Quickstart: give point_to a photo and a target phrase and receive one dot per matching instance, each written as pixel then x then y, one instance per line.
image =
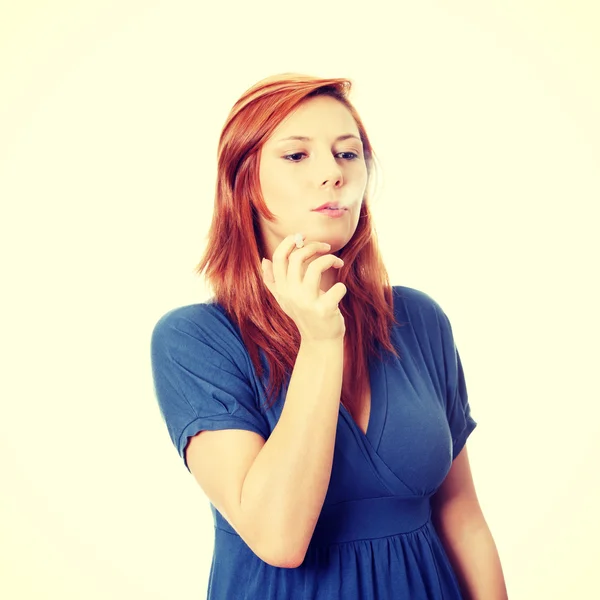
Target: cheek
pixel 279 194
pixel 284 200
pixel 283 180
pixel 359 174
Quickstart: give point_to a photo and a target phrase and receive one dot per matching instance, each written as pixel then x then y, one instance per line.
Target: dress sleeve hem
pixel 215 423
pixel 461 439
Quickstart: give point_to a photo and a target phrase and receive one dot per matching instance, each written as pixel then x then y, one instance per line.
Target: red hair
pixel 232 258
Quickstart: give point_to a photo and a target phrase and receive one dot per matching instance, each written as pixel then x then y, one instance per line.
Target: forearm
pixel 474 556
pixel 284 490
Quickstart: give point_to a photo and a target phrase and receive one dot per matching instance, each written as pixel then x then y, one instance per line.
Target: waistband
pixel 361 519
pixel 370 518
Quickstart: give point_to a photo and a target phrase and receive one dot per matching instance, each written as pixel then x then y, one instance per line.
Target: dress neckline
pixel 379 404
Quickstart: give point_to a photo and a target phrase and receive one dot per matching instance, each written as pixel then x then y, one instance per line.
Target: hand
pixel 316 313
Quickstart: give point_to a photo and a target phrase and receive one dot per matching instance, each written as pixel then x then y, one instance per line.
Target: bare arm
pixel 284 490
pixel 466 536
pixel 271 492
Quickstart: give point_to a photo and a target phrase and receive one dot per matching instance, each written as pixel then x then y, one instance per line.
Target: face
pixel 297 176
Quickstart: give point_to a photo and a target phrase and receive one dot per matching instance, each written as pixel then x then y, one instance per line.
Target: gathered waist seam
pixel 325 544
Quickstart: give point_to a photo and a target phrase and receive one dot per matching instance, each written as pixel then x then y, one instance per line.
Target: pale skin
pixel 322 171
pixel 297 176
pixel 465 534
pixel 317 171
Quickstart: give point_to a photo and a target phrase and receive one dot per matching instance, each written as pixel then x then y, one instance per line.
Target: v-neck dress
pixel 374 539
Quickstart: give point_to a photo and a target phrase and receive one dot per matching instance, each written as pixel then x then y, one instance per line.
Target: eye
pixel 289 158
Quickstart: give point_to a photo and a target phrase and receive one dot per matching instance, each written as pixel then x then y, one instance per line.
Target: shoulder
pixel 423 314
pixel 412 304
pixel 202 325
pixel 202 316
pixel 425 317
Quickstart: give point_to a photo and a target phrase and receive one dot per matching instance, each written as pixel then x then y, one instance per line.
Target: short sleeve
pixel 197 381
pixel 458 410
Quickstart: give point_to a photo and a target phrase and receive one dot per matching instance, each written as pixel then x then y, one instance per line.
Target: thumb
pixel 267 273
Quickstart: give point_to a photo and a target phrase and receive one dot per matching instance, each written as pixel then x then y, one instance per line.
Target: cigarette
pixel 299 241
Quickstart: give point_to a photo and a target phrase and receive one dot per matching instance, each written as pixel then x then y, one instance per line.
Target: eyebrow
pixel 303 138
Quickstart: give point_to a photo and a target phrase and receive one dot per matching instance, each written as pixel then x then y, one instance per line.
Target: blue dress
pixel 374 539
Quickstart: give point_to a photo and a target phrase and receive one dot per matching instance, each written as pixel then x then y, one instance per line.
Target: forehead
pixel 320 115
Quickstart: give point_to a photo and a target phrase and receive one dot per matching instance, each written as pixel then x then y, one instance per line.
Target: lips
pixel 333 205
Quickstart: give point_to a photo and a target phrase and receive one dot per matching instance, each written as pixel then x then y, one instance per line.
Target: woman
pixel 322 411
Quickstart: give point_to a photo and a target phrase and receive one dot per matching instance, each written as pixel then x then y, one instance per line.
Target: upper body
pixel 305 484
pixel 382 479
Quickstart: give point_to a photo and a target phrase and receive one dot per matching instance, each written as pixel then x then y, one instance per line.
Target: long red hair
pixel 232 258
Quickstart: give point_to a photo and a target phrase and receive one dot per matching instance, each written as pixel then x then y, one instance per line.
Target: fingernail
pixel 299 239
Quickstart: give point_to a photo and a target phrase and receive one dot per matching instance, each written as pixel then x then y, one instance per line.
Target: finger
pixel 297 260
pixel 333 296
pixel 316 268
pixel 280 258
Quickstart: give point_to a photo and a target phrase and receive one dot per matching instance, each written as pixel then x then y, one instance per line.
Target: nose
pixel 331 172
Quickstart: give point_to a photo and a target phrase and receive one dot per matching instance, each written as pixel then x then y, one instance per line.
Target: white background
pixel 485 118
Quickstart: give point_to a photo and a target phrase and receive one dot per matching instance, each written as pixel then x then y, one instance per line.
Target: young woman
pixel 322 411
